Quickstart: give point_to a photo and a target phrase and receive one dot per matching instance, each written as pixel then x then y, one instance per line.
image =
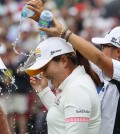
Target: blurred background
pixel 86 18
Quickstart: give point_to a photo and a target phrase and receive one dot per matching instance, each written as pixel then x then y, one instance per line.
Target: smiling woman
pixel 76 108
pixel 108 68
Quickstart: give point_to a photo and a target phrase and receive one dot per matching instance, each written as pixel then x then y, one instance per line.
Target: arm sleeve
pixel 116 70
pixel 77 110
pixel 47 97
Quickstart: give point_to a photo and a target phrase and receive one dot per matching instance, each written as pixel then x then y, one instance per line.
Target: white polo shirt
pixel 76 109
pixel 109 98
pixel 116 70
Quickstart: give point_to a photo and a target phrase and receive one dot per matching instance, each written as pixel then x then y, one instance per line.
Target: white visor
pixel 100 41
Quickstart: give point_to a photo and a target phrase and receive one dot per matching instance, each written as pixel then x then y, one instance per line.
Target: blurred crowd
pixel 86 18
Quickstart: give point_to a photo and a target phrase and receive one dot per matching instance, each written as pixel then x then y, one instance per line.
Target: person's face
pixel 53 72
pixel 57 71
pixel 110 51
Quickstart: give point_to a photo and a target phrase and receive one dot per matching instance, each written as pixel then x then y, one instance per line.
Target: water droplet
pixel 1 94
pixel 10 76
pixel 0 89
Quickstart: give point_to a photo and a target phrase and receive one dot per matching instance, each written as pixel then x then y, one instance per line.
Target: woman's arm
pixel 84 47
pixel 47 97
pixel 92 53
pixel 4 127
pixel 44 92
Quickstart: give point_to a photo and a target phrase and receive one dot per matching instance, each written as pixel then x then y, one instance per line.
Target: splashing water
pixel 42 38
pixel 10 76
pixel 1 78
pixel 6 73
pixel 30 60
pixel 20 69
pixel 18 37
pixel 0 89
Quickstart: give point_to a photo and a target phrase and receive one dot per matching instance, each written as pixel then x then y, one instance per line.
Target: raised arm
pixel 44 92
pixel 87 49
pixel 93 54
pixel 84 47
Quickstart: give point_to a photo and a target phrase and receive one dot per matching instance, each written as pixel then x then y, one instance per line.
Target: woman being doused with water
pixel 75 109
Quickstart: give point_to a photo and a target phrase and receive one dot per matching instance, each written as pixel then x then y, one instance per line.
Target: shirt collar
pixel 76 73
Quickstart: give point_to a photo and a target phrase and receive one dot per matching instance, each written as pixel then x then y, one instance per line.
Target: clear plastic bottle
pixel 26 12
pixel 45 21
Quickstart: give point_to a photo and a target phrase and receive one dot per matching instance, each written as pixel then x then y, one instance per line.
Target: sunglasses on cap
pixel 107 45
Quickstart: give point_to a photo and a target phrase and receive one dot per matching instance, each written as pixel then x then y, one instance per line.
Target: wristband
pixel 67 38
pixel 63 32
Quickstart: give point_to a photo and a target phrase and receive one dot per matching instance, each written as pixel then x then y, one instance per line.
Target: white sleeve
pixel 97 70
pixel 77 110
pixel 116 70
pixel 47 97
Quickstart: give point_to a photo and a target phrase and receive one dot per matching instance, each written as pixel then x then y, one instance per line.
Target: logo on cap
pixel 56 51
pixel 37 52
pixel 114 40
pixel 119 39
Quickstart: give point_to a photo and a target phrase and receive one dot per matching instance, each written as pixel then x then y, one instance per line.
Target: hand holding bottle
pixel 37 7
pixel 55 29
pixel 45 20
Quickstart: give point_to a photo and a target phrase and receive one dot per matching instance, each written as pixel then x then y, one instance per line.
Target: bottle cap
pixel 24 14
pixel 46 15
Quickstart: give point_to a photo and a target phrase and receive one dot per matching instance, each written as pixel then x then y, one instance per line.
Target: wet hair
pixel 84 61
pixel 78 59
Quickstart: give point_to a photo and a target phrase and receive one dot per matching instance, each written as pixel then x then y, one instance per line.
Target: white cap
pixel 46 51
pixel 112 37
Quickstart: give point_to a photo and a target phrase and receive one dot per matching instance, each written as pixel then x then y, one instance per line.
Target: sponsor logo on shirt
pixel 57 102
pixel 82 111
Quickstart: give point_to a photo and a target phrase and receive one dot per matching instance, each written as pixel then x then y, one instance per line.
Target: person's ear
pixel 64 60
pixel 118 54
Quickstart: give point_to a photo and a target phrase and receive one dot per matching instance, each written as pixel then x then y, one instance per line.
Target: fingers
pixel 58 25
pixel 37 7
pixel 35 3
pixel 51 31
pixel 39 84
pixel 55 21
pixel 47 30
pixel 34 81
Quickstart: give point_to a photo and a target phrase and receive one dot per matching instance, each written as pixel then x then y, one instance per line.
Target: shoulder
pixel 116 70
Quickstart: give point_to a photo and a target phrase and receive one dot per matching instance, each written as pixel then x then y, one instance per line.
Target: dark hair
pixel 84 61
pixel 78 59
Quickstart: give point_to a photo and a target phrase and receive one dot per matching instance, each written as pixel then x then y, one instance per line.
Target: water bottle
pixel 26 12
pixel 45 20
